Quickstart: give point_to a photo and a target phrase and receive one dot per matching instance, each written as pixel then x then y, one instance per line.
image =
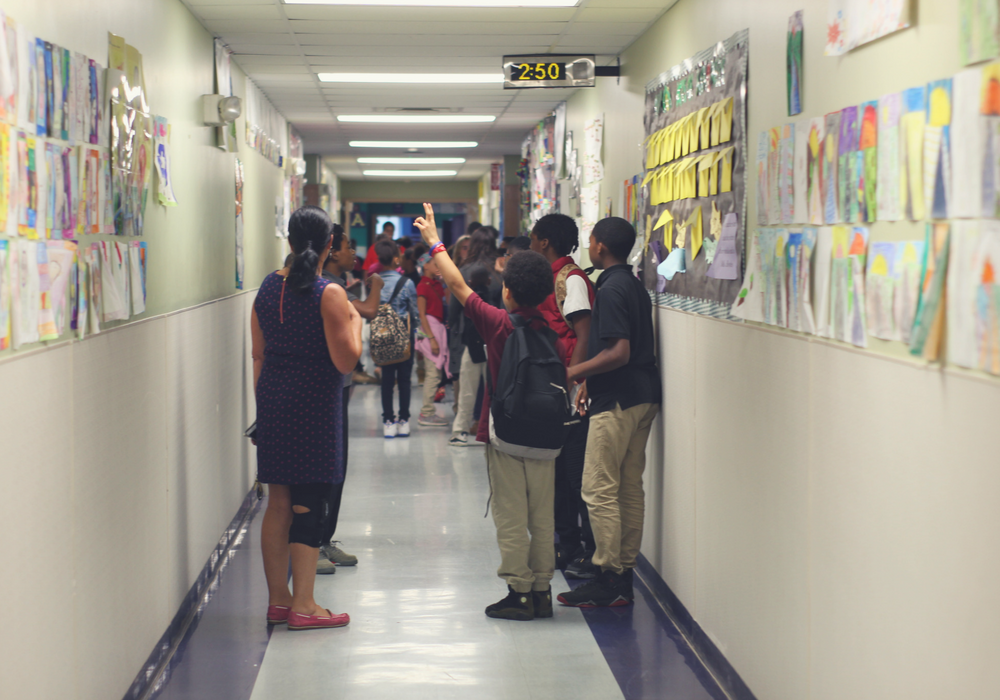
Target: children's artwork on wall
pixel 798 264
pixel 880 291
pixel 776 175
pixel 909 262
pixel 787 174
pixel 830 177
pixel 593 164
pixel 868 162
pixel 94 288
pixel 5 275
pixel 847 165
pixel 25 292
pixel 763 204
pixel 794 64
pixel 851 23
pixel 137 275
pixel 114 280
pixel 814 170
pixel 695 160
pixel 978 30
pixel 928 322
pixel 239 224
pixel 164 180
pixel 822 269
pixel 968 146
pixel 749 303
pixel 937 149
pixel 131 137
pixel 847 290
pixel 61 264
pixel 800 172
pixel 888 191
pixel 912 123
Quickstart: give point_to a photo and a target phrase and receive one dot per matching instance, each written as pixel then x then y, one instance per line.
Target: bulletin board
pixel 690 166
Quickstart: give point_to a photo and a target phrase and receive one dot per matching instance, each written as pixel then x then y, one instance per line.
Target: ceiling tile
pixel 608 15
pixel 421 40
pixel 523 15
pixel 212 12
pixel 378 31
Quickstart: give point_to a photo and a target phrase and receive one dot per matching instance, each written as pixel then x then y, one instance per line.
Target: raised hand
pixel 428 229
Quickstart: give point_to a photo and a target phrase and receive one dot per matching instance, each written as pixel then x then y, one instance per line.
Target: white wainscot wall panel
pixel 120 505
pixel 36 543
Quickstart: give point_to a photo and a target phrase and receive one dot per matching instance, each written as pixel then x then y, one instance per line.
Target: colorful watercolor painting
pixel 937 149
pixel 846 166
pixel 830 179
pixel 794 64
pixel 928 322
pixel 913 122
pixel 978 30
pixel 888 193
pixel 851 23
pixel 909 262
pixel 847 290
pixel 868 162
pixel 814 167
pixel 880 291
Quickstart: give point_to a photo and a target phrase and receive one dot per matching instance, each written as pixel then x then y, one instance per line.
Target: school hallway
pixel 413 514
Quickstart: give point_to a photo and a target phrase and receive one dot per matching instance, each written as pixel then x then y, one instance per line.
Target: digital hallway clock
pixel 548 71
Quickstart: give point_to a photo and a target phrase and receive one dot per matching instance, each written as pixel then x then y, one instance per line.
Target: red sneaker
pixel 277 614
pixel 317 622
pixel 439 396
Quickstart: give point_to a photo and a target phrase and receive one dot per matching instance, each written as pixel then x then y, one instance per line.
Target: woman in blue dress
pixel 306 336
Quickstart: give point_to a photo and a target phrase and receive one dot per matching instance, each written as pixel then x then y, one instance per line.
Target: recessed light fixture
pixel 411 161
pixel 410 173
pixel 441 3
pixel 412 78
pixel 416 119
pixel 413 144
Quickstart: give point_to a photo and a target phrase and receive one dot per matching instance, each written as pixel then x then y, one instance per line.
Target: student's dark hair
pixel 617 235
pixel 472 228
pixel 404 243
pixel 528 276
pixel 492 231
pixel 518 243
pixel 560 231
pixel 479 279
pixel 482 249
pixel 386 251
pixel 387 224
pixel 309 230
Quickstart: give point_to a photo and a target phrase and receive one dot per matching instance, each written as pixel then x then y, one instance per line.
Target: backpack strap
pixel 560 288
pixel 399 287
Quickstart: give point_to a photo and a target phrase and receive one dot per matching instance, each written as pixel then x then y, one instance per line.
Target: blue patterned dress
pixel 300 408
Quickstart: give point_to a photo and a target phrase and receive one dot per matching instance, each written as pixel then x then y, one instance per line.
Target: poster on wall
pixel 978 30
pixel 165 183
pixel 131 137
pixel 239 224
pixel 695 175
pixel 794 67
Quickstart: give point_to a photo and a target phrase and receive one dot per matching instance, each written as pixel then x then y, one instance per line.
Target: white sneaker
pixel 389 429
pixel 403 428
pixel 459 440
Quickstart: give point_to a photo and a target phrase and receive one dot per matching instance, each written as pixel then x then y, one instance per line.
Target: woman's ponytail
pixel 309 230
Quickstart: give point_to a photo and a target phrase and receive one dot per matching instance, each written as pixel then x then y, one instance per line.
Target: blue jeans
pixel 393 375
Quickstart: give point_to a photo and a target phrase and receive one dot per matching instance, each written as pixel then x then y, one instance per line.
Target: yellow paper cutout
pixel 703 125
pixel 681 235
pixel 713 174
pixel 940 107
pixel 665 218
pixel 649 176
pixel 694 221
pixel 704 170
pixel 715 118
pixel 726 128
pixel 726 184
pixel 715 222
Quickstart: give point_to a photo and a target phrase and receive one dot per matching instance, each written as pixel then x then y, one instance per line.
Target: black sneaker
pixel 516 606
pixel 562 557
pixel 609 590
pixel 543 603
pixel 583 568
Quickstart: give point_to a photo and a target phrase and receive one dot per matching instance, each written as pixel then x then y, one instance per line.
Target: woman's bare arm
pixel 342 326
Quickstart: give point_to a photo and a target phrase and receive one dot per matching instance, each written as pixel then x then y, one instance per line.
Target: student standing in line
pixel 516 244
pixel 480 265
pixel 433 342
pixel 623 387
pixel 338 263
pixel 306 336
pixel 522 488
pixel 388 232
pixel 402 294
pixel 567 311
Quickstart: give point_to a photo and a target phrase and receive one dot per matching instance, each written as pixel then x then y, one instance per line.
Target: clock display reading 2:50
pixel 538 71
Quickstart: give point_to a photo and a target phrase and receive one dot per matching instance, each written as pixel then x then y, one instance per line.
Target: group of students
pixel 591 493
pixel 578 507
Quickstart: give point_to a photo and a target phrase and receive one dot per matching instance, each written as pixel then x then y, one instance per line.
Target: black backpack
pixel 530 414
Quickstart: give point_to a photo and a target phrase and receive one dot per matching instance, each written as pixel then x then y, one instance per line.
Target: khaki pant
pixel 612 483
pixel 523 495
pixel 470 375
pixel 432 377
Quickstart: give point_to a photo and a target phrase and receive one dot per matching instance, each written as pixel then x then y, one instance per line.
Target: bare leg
pixel 303 579
pixel 274 544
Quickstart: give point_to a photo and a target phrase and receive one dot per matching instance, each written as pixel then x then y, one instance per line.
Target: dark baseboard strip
pixel 157 667
pixel 713 659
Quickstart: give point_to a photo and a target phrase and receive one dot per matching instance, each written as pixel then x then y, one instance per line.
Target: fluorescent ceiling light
pixel 441 3
pixel 415 119
pixel 411 161
pixel 410 173
pixel 406 78
pixel 413 144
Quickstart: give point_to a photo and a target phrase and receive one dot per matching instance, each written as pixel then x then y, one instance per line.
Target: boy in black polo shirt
pixel 623 387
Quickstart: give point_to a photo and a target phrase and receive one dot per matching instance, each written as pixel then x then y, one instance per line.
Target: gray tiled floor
pixel 413 513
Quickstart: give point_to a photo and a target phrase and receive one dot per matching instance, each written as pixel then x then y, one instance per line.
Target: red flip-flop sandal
pixel 316 622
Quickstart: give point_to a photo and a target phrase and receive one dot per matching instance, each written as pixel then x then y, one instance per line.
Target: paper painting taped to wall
pixel 794 64
pixel 137 276
pixel 131 137
pixel 928 323
pixel 847 285
pixel 5 275
pixel 164 179
pixel 239 224
pixel 978 30
pixel 695 167
pixel 851 23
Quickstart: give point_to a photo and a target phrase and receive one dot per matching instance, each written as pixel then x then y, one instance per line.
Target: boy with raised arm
pixel 523 488
pixel 623 384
